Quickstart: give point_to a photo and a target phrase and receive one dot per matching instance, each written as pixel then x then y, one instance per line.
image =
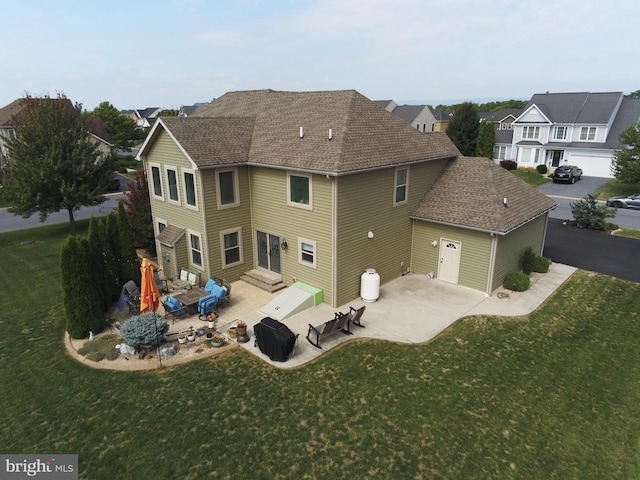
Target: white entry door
pixel 449 261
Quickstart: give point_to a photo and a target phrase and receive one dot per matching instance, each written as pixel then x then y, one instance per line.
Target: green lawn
pixel 615 188
pixel 530 176
pixel 552 395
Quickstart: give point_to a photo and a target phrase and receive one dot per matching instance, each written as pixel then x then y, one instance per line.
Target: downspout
pixel 334 242
pixel 492 263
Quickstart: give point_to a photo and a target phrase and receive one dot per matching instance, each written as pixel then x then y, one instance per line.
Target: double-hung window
pixel 560 133
pixel 156 181
pixel 499 152
pixel 227 188
pixel 299 190
pixel 231 241
pixel 172 181
pixel 530 133
pixel 190 188
pixel 196 248
pixel 401 186
pixel 588 133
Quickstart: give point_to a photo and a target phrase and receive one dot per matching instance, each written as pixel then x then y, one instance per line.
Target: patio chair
pixel 337 323
pixel 218 287
pixel 355 315
pixel 130 297
pixel 161 283
pixel 207 304
pixel 173 308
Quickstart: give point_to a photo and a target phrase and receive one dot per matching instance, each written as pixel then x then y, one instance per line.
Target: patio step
pixel 262 281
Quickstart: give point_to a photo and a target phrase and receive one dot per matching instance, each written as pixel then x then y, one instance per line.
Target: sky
pixel 169 53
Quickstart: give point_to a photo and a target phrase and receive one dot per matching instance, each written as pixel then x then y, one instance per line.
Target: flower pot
pixel 218 340
pixel 209 335
pixel 191 338
pixel 241 329
pixel 232 331
pixel 211 324
pixel 182 339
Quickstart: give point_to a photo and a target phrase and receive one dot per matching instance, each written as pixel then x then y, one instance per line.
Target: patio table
pixel 189 300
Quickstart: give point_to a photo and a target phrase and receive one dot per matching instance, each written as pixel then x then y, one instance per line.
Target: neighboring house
pixel 442 117
pixel 418 116
pixel 573 128
pixel 503 120
pixel 146 117
pixel 317 187
pixel 10 117
pixel 388 105
pixel 188 110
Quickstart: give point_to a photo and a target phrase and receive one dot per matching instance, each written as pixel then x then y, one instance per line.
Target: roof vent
pixel 301 132
pixel 504 202
pixel 330 134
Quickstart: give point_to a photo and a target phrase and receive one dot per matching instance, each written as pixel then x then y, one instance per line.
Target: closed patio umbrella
pixel 149 294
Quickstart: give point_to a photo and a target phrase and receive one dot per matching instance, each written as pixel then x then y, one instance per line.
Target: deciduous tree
pixel 121 128
pixel 53 163
pixel 463 128
pixel 139 210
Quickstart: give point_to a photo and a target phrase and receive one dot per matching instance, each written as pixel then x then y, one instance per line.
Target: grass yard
pixel 530 176
pixel 552 395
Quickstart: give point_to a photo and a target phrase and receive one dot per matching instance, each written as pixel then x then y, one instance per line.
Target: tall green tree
pixel 120 128
pixel 139 210
pixel 464 127
pixel 486 140
pixel 53 163
pixel 82 302
pixel 626 161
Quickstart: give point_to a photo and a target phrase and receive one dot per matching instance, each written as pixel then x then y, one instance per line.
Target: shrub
pixel 528 260
pixel 542 169
pixel 589 214
pixel 508 164
pixel 517 281
pixel 145 330
pixel 541 264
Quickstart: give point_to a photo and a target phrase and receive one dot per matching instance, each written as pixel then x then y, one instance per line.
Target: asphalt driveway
pixel 580 189
pixel 592 250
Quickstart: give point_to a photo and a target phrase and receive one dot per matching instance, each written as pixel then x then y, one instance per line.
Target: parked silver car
pixel 631 201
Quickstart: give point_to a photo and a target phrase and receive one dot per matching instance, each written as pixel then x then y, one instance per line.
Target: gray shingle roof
pixel 581 107
pixel 408 113
pixel 364 136
pixel 470 194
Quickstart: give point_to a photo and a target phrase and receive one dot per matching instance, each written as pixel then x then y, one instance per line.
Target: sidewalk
pixel 410 309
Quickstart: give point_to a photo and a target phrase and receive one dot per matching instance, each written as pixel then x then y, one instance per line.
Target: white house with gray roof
pixel 572 129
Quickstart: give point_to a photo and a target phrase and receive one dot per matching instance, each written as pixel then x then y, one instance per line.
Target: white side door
pixel 449 267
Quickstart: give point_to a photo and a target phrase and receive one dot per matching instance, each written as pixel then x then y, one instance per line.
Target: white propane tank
pixel 370 285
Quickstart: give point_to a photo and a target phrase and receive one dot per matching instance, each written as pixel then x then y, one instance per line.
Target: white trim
pixel 156 226
pixel 167 169
pixel 223 258
pixel 202 259
pixel 297 204
pixel 186 172
pixel 397 185
pixel 236 188
pixel 313 253
pixel 153 188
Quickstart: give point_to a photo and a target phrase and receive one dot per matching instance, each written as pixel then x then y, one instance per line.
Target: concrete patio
pixel 410 309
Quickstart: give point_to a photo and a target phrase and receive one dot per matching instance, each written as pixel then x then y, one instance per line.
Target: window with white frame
pixel 560 133
pixel 172 181
pixel 196 248
pixel 307 252
pixel 299 190
pixel 156 181
pixel 536 155
pixel 588 133
pixel 160 225
pixel 231 241
pixel 227 188
pixel 530 132
pixel 499 152
pixel 526 155
pixel 401 186
pixel 189 188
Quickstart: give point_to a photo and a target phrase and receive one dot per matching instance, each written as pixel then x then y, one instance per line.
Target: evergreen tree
pixel 113 237
pixel 112 274
pixel 626 161
pixel 53 163
pixel 463 128
pixel 82 301
pixel 129 269
pixel 97 262
pixel 486 140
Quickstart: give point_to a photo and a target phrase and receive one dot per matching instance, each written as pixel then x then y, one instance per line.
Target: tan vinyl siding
pixel 226 219
pixel 512 246
pixel 166 153
pixel 365 203
pixel 272 215
pixel 475 253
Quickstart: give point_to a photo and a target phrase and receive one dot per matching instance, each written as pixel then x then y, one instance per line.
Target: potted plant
pixel 191 335
pixel 212 318
pixel 182 337
pixel 241 328
pixel 209 336
pixel 217 340
pixel 232 331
